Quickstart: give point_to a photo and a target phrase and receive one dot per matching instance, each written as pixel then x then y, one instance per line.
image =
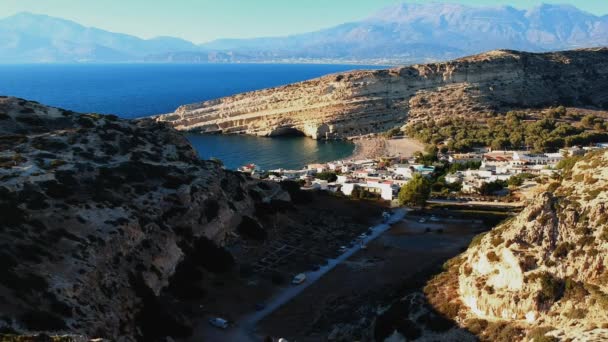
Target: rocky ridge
pixel 539 276
pixel 98 214
pixel 547 267
pixel 362 102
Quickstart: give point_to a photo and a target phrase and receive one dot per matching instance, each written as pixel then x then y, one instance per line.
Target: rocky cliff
pixel 540 276
pixel 96 215
pixel 547 267
pixel 361 102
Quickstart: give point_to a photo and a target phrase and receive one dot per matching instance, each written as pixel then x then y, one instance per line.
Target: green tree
pixel 328 176
pixel 499 144
pixel 588 121
pixel 415 192
pixel 392 132
pixel 490 188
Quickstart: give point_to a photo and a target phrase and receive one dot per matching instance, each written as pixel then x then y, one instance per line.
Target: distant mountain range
pixel 399 34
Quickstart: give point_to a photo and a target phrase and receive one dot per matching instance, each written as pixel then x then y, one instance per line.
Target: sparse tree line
pixel 548 131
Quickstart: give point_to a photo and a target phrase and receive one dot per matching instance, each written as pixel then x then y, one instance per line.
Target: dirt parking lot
pixel 407 249
pixel 299 239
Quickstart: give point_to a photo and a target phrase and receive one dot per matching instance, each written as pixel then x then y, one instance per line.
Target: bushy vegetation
pixel 476 325
pixel 514 130
pixel 415 192
pixel 492 256
pixel 552 288
pixel 519 179
pixel 470 165
pixel 392 132
pixel 539 335
pixel 503 332
pixel 490 188
pixel 563 249
pixel 427 158
pixel 567 164
pixel 327 176
pixel 477 240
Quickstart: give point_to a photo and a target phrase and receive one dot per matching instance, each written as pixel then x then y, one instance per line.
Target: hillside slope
pixel 547 267
pixel 540 276
pixel 97 215
pixel 361 102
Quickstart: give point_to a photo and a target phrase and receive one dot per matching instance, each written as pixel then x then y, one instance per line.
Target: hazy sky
pixel 204 20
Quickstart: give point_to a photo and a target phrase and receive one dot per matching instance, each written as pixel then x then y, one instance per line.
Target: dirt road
pixel 244 329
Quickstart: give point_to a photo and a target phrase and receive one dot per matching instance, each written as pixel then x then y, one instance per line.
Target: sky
pixel 204 20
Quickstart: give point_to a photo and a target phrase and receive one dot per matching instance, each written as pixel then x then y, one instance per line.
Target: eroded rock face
pixel 547 266
pixel 361 102
pixel 97 212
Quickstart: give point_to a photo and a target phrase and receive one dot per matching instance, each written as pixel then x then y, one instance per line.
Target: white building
pixel 386 190
pixel 526 158
pixel 402 170
pixel 317 167
pixel 461 158
pixel 343 179
pixel 320 184
pixel 454 178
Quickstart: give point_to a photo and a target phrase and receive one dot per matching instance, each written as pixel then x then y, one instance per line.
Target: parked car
pixel 299 279
pixel 385 216
pixel 218 322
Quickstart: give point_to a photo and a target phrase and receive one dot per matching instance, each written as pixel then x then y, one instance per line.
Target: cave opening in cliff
pixel 287 132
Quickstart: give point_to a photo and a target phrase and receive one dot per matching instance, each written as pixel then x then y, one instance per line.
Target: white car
pixel 218 322
pixel 422 220
pixel 298 279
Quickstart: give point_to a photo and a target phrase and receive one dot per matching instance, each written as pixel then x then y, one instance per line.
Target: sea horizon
pixel 140 90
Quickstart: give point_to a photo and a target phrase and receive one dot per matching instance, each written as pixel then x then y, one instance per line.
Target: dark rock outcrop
pixel 96 215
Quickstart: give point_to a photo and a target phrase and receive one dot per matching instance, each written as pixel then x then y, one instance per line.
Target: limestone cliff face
pixel 547 266
pixel 96 214
pixel 361 102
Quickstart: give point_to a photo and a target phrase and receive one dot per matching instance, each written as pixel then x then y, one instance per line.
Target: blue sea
pixel 136 90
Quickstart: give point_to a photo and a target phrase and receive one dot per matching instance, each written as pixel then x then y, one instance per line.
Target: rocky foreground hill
pixel 540 276
pixel 362 102
pixel 97 215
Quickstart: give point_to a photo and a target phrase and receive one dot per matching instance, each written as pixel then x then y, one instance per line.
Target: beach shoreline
pixel 374 147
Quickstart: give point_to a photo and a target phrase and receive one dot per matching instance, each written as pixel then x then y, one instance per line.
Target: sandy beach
pixel 376 147
pixel 404 147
